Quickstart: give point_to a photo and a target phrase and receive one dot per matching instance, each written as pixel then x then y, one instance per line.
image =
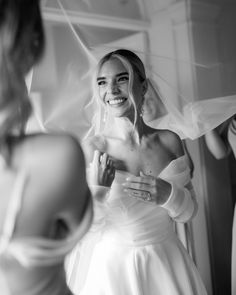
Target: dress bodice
pixel 134 242
pixel 130 220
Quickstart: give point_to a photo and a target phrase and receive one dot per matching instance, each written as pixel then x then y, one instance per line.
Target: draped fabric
pixel 74 109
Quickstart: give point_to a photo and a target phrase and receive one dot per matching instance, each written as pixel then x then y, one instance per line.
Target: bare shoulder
pixel 57 161
pixel 171 141
pixel 56 174
pixel 53 149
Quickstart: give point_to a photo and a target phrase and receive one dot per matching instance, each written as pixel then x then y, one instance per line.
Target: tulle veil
pixel 74 109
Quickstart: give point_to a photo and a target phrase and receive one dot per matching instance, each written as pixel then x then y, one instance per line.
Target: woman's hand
pixel 103 171
pixel 148 188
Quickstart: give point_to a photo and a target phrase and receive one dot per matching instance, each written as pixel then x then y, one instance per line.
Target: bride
pixel 132 247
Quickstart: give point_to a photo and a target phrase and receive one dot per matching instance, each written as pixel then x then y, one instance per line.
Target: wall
pixel 190 33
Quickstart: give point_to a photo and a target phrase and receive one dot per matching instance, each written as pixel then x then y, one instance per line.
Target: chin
pixel 117 115
pixel 120 112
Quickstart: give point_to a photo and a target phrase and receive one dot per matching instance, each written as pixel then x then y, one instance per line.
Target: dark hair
pixel 134 66
pixel 21 46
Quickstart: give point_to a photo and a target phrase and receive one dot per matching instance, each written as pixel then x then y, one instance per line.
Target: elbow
pixel 189 207
pixel 191 214
pixel 181 205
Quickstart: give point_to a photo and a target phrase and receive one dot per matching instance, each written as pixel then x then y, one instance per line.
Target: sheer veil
pixel 74 109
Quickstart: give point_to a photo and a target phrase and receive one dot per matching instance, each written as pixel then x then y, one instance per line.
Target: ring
pixel 147 196
pixel 144 195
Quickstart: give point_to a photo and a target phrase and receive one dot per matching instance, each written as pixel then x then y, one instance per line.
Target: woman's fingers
pixel 138 186
pixel 147 179
pixel 96 157
pixel 100 158
pixel 104 159
pixel 110 163
pixel 142 187
pixel 140 194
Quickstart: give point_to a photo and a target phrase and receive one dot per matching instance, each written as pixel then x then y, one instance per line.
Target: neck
pixel 125 129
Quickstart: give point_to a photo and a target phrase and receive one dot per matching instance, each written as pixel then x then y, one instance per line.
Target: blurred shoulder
pixel 63 143
pixel 55 167
pixel 56 149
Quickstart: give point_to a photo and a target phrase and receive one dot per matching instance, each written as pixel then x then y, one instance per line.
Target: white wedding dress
pixel 132 248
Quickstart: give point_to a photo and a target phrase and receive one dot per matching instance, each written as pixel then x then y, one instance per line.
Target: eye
pixel 123 79
pixel 101 82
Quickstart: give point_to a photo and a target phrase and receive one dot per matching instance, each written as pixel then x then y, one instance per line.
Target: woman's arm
pixel 177 199
pixel 190 160
pixel 216 145
pixel 181 204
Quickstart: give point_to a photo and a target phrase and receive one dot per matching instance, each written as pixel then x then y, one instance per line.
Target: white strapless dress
pixel 132 249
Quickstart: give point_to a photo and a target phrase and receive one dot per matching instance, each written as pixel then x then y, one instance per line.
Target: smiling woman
pixel 120 84
pixel 113 88
pixel 132 239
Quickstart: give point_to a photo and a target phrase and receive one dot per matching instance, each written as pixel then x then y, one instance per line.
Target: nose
pixel 113 88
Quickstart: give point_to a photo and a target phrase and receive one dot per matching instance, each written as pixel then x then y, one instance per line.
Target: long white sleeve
pixel 181 204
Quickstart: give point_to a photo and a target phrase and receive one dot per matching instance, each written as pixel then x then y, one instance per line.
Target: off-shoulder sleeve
pixel 181 204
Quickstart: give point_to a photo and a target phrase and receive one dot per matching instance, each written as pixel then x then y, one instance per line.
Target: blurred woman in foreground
pixel 45 205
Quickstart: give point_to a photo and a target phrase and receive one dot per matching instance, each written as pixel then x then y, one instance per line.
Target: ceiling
pixel 131 9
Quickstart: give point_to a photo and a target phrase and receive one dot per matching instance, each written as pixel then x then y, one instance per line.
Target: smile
pixel 116 101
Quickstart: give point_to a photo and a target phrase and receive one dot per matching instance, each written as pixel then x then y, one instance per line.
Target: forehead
pixel 111 68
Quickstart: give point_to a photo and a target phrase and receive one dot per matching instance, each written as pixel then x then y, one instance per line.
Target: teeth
pixel 116 101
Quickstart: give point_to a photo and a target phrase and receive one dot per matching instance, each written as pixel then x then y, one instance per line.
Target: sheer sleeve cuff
pixel 181 204
pixel 100 193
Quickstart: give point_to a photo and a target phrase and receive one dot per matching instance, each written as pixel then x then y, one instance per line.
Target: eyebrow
pixel 118 75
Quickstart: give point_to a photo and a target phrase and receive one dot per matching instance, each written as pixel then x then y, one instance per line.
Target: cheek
pixel 124 88
pixel 102 94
